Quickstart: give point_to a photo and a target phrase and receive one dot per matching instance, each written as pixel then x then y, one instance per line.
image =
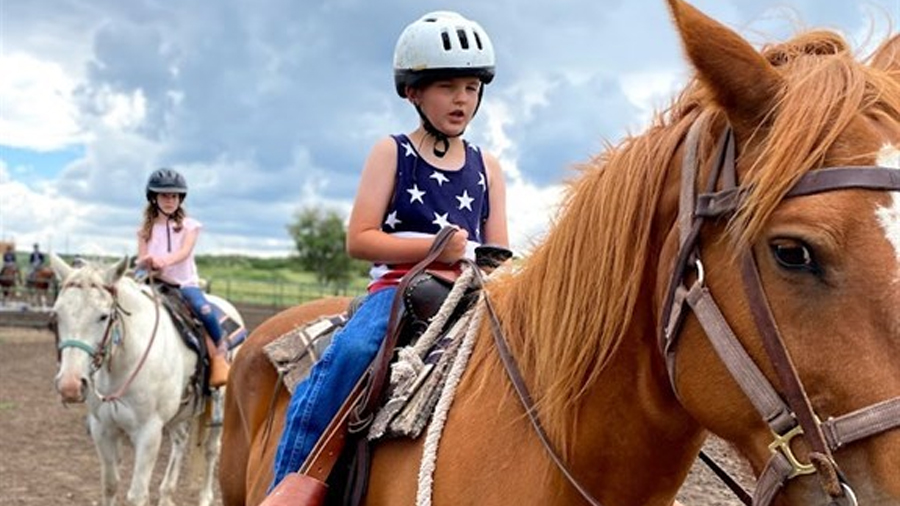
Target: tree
pixel 320 238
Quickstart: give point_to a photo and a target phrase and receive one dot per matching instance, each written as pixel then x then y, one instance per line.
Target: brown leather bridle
pixel 788 413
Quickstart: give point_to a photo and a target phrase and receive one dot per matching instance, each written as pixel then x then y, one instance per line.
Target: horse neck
pixel 142 319
pixel 601 394
pixel 602 437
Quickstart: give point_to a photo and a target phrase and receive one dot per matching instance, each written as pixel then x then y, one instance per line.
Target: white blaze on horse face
pixel 889 217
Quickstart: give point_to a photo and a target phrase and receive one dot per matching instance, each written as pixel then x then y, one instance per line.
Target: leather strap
pixel 521 389
pixel 362 416
pixel 787 374
pixel 328 448
pixel 786 418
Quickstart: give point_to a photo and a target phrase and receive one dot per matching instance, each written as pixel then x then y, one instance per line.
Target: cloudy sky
pixel 271 106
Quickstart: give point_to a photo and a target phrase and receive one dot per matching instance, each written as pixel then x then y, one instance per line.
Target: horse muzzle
pixel 71 388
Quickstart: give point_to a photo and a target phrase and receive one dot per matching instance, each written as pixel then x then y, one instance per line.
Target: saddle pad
pixel 232 331
pixel 416 384
pixel 293 354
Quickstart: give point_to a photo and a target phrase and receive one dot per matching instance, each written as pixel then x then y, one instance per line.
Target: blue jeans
pixel 204 311
pixel 318 398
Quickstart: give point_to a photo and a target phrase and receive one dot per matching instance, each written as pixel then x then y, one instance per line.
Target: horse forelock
pixel 81 295
pixel 825 90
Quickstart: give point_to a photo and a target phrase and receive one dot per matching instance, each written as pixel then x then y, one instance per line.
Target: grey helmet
pixel 166 181
pixel 442 45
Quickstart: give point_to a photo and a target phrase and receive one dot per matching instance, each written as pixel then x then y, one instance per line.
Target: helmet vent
pixel 446 39
pixel 463 38
pixel 477 40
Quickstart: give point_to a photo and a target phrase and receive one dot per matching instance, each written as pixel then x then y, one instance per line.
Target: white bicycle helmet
pixel 441 45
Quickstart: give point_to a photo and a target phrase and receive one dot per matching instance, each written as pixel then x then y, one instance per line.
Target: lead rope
pixel 448 393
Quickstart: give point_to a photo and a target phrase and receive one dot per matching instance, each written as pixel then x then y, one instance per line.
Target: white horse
pixel 121 353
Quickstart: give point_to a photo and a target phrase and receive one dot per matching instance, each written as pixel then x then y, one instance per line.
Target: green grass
pixel 7 405
pixel 271 281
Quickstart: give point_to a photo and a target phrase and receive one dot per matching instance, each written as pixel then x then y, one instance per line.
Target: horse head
pixel 86 314
pixel 739 274
pixel 780 320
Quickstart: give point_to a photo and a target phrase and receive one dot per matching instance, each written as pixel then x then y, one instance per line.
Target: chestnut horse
pixel 9 278
pixel 39 284
pixel 733 269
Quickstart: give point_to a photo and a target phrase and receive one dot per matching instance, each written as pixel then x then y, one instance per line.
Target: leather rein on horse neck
pixel 794 415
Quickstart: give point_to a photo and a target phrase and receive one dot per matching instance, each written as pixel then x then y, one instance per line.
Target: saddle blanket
pixel 293 354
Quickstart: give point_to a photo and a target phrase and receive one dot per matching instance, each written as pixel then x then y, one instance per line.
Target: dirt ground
pixel 47 457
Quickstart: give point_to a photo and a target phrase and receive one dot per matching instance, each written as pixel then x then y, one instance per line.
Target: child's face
pixel 449 104
pixel 168 202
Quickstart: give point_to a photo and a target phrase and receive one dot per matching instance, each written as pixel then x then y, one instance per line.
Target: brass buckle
pixel 782 443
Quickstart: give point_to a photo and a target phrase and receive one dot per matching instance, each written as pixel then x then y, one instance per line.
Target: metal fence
pixel 276 293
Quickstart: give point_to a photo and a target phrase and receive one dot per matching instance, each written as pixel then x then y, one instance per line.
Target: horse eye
pixel 104 317
pixel 794 255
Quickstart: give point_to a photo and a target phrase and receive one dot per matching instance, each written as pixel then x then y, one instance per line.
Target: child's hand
pixel 158 263
pixel 456 247
pixel 150 262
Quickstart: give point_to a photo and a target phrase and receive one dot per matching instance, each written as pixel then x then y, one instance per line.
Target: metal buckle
pixel 783 444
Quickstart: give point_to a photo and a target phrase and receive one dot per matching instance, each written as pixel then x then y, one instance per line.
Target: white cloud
pixel 123 111
pixel 37 110
pixel 28 216
pixel 650 91
pixel 530 211
pixel 266 117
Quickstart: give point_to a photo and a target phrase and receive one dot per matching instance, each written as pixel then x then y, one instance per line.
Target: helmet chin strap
pixel 441 139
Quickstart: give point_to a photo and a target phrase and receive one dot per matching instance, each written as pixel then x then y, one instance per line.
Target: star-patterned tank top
pixel 427 198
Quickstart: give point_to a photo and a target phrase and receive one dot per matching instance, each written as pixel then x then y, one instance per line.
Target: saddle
pixel 192 331
pixel 419 298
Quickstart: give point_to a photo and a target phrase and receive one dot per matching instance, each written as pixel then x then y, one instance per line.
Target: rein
pixel 101 353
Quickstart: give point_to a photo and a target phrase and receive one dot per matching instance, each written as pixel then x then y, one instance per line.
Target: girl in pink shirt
pixel 166 242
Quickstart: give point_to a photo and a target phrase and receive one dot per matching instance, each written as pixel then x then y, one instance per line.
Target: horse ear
pixel 887 57
pixel 740 79
pixel 59 266
pixel 116 271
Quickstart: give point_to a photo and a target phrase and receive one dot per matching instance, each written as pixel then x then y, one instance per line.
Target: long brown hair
pixel 151 212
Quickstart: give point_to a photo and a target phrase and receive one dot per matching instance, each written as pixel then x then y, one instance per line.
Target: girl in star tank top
pixel 412 185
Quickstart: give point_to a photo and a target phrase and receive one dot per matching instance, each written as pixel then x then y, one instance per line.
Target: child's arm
pixel 495 229
pixel 142 257
pixel 365 239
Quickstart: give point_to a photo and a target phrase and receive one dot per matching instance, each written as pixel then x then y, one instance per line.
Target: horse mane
pixel 567 307
pixel 94 275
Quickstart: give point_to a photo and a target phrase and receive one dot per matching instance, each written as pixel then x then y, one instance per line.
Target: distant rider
pixel 35 262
